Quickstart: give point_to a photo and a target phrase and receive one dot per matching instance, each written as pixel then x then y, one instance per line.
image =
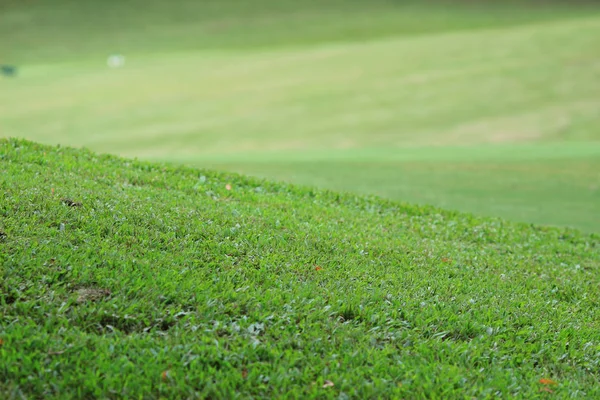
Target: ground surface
pixel 122 279
pixel 485 108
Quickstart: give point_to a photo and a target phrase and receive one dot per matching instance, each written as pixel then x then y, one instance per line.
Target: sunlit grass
pixel 127 279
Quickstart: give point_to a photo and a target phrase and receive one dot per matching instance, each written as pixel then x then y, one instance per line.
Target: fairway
pixel 488 109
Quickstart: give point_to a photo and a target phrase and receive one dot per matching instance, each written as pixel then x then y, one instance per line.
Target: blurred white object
pixel 115 61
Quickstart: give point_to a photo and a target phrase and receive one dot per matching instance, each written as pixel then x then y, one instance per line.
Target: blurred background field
pixel 486 107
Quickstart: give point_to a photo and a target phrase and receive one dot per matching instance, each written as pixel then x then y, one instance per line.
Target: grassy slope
pixel 543 185
pixel 211 89
pixel 164 283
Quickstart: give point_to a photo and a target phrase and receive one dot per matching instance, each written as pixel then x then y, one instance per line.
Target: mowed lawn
pixel 488 109
pixel 530 186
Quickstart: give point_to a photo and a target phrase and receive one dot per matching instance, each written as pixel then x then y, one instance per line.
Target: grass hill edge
pixel 123 278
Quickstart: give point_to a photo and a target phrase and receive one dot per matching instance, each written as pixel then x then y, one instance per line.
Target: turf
pixel 58 30
pixel 346 91
pixel 527 183
pixel 127 279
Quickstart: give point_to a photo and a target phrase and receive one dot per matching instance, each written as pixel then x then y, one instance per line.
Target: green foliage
pixel 125 279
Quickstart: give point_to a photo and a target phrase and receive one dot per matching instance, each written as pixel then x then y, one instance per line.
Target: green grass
pixel 43 30
pixel 127 279
pixel 156 281
pixel 368 97
pixel 541 183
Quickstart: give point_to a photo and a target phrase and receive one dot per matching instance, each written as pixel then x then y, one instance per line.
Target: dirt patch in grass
pixel 86 295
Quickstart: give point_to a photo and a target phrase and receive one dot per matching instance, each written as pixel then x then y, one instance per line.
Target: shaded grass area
pixel 128 279
pixel 61 30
